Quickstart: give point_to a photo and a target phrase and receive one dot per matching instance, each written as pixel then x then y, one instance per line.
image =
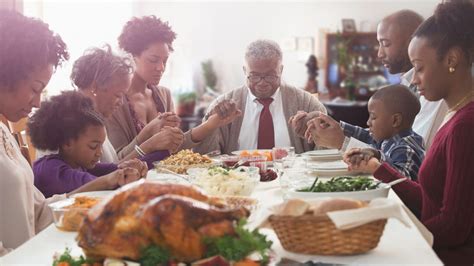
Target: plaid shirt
pixel 404 151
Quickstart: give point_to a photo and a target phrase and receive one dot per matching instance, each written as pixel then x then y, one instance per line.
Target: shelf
pixel 360 48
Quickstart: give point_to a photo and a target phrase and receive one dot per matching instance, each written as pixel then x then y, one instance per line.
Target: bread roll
pixel 335 205
pixel 295 207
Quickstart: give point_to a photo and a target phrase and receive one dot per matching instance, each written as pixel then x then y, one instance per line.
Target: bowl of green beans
pixel 352 187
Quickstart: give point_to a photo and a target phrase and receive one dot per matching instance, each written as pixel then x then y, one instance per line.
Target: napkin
pixel 380 208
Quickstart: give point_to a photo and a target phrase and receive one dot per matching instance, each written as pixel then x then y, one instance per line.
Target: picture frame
pixel 348 25
pixel 288 44
pixel 305 44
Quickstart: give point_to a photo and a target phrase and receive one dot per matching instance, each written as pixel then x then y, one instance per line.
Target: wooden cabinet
pixel 352 66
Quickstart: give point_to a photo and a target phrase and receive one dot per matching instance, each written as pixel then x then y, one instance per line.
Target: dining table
pixel 399 244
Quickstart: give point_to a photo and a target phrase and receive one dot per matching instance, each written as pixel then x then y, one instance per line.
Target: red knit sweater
pixel 445 192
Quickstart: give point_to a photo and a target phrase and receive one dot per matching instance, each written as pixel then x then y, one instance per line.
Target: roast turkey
pixel 172 216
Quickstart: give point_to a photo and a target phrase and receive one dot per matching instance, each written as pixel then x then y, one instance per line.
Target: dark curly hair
pixel 397 98
pixel 26 43
pixel 62 118
pixel 99 65
pixel 139 33
pixel 451 25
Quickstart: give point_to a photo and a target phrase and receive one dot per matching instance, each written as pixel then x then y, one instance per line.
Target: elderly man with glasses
pixel 266 106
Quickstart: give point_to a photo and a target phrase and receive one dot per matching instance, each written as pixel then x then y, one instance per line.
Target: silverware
pixel 239 163
pixel 394 182
pixel 390 184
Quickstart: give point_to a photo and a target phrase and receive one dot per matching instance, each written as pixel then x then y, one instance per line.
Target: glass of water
pixel 290 179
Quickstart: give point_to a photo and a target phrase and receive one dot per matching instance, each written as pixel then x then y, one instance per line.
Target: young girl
pixel 68 123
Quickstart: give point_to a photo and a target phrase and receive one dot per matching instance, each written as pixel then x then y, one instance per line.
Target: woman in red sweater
pixel 441 52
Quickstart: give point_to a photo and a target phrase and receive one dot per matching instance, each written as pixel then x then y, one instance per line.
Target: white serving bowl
pixel 380 192
pixel 219 186
pixel 300 181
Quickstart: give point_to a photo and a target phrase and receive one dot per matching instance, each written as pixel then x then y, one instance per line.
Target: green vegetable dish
pixel 66 259
pixel 342 184
pixel 232 248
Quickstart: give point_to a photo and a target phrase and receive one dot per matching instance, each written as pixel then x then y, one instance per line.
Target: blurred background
pixel 329 46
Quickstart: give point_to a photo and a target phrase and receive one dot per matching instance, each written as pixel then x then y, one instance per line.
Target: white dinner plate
pixel 323 155
pixel 322 152
pixel 327 158
pixel 329 173
pixel 333 165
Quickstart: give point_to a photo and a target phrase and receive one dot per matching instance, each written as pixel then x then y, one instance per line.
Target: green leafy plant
pixel 210 76
pixel 236 248
pixel 66 259
pixel 345 63
pixel 344 57
pixel 187 97
pixel 154 255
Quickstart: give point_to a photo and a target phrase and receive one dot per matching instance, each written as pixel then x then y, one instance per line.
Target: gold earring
pixel 451 69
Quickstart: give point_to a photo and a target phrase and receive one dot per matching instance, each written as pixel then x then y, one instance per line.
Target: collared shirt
pixel 404 151
pixel 248 137
pixel 431 114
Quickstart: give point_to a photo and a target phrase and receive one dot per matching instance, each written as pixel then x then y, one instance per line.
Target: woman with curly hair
pixel 442 53
pixel 29 53
pixel 148 108
pixel 104 78
pixel 69 124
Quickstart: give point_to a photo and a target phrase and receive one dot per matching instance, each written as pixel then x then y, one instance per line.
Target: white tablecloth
pixel 398 245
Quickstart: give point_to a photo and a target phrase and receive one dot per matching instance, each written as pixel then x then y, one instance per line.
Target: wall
pixel 221 30
pixel 81 24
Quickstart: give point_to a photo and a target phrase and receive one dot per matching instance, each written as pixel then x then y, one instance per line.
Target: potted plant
pixel 345 63
pixel 186 104
pixel 210 76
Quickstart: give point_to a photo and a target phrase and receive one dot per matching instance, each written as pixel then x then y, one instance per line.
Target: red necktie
pixel 266 133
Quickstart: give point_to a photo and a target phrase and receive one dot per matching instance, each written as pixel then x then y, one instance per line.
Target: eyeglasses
pixel 269 79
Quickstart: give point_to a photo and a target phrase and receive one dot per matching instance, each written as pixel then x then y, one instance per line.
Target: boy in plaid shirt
pixel 392 110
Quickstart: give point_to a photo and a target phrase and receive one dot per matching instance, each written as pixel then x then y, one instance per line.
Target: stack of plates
pixel 323 155
pixel 332 168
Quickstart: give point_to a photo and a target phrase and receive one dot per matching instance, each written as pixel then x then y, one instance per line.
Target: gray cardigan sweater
pixel 121 129
pixel 226 138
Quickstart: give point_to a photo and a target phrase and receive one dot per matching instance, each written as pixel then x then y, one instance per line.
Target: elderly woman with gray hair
pixel 266 103
pixel 105 78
